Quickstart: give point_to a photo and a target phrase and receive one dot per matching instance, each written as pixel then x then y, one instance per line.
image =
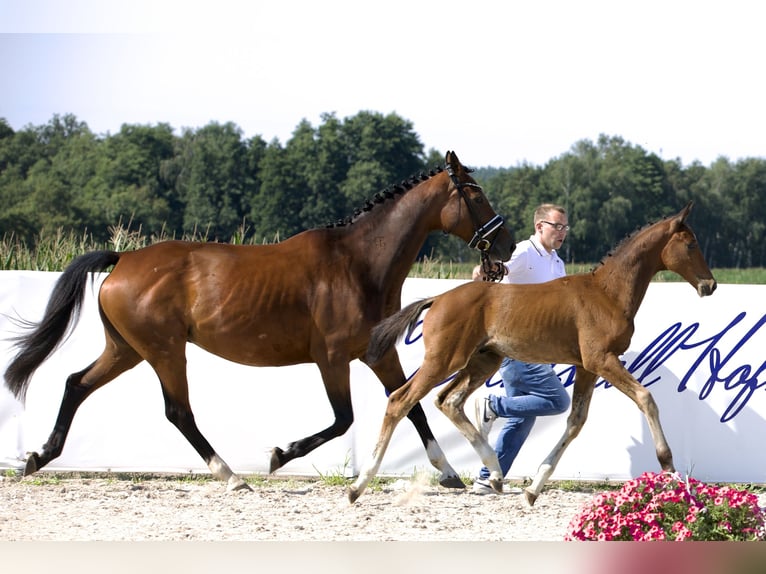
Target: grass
pixel 54 250
pixel 335 478
pixel 435 269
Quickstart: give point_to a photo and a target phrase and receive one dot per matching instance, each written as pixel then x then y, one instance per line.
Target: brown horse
pixel 312 298
pixel 584 320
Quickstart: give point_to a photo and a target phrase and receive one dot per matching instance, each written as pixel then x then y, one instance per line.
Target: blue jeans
pixel 531 390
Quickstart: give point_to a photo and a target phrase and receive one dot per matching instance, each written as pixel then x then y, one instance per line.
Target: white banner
pixel 701 358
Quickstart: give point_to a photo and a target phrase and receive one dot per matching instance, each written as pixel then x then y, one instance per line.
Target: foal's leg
pixel 116 359
pixel 389 371
pixel 451 401
pixel 400 402
pixel 583 391
pixel 171 370
pixel 335 375
pixel 619 377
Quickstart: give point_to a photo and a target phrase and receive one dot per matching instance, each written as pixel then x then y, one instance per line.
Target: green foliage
pixel 666 506
pixel 337 477
pixel 53 251
pixel 611 188
pixel 213 183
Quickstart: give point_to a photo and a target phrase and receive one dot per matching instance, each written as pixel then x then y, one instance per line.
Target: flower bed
pixel 664 506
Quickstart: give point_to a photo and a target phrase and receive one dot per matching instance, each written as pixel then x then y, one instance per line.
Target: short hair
pixel 543 210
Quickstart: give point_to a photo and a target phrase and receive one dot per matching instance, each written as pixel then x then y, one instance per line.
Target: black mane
pixel 390 192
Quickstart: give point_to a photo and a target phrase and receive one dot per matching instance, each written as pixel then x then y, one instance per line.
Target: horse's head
pixel 472 218
pixel 682 255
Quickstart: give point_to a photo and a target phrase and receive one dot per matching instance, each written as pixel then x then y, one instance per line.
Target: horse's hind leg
pixel 115 360
pixel 175 391
pixel 451 401
pixel 583 391
pixel 389 371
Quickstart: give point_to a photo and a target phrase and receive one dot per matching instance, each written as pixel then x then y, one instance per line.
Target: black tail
pixel 62 312
pixel 386 333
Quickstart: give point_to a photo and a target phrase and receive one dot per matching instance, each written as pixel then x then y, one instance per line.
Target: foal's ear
pixel 684 213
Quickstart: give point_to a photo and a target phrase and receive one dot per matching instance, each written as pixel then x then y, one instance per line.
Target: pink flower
pixel 665 505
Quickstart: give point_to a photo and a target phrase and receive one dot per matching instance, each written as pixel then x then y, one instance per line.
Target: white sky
pixel 501 82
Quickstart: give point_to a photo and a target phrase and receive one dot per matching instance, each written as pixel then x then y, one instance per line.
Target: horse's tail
pixel 386 333
pixel 61 314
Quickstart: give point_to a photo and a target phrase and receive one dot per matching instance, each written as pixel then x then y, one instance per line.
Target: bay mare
pixel 585 320
pixel 312 298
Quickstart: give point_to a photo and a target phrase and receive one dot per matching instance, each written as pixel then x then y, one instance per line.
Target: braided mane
pixel 390 192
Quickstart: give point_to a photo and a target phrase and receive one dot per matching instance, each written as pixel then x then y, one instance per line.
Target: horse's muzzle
pixel 706 287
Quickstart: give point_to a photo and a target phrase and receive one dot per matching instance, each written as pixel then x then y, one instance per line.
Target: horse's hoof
pixel 353 494
pixel 452 482
pixel 236 483
pixel 277 456
pixel 530 496
pixel 31 467
pixel 497 485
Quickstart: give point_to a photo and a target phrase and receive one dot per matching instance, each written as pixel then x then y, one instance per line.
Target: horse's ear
pixel 685 211
pixel 680 218
pixel 452 161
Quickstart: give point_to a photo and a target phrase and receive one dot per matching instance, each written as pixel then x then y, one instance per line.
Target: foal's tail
pixel 61 314
pixel 386 333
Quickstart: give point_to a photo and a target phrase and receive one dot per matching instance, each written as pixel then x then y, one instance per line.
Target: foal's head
pixel 682 255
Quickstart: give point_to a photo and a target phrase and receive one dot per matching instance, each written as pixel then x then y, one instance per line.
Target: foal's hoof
pixel 497 485
pixel 452 482
pixel 32 464
pixel 530 496
pixel 353 494
pixel 277 459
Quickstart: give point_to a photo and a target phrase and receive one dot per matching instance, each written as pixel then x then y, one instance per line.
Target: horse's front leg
pixel 581 396
pixel 451 401
pixel 335 376
pixel 389 371
pixel 619 377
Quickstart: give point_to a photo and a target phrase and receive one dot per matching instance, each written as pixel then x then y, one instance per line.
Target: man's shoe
pixel 485 416
pixel 482 486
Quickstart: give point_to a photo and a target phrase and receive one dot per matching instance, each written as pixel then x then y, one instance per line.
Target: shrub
pixel 664 506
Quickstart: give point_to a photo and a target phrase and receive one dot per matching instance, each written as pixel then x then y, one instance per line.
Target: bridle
pixel 493 271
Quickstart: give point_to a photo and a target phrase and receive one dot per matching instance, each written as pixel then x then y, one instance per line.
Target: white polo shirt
pixel 531 263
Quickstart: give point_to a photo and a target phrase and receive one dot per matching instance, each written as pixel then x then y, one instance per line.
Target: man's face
pixel 550 237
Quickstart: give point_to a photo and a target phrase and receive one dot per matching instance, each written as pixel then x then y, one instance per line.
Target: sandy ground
pixel 173 509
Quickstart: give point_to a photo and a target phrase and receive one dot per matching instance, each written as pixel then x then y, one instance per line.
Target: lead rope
pixel 491 271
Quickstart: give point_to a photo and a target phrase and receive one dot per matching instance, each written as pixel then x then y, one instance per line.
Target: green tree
pixel 44 170
pixel 214 179
pixel 745 189
pixel 276 207
pixel 127 186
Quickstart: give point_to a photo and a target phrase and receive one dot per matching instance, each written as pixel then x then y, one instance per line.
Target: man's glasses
pixel 557 226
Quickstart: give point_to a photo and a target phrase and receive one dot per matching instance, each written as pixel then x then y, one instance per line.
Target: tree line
pixel 214 183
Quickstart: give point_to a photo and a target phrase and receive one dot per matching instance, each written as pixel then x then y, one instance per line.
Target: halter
pixel 480 240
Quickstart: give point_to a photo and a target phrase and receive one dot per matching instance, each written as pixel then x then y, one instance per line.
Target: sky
pixel 503 82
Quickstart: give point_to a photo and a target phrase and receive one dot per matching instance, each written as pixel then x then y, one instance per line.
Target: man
pixel 531 390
